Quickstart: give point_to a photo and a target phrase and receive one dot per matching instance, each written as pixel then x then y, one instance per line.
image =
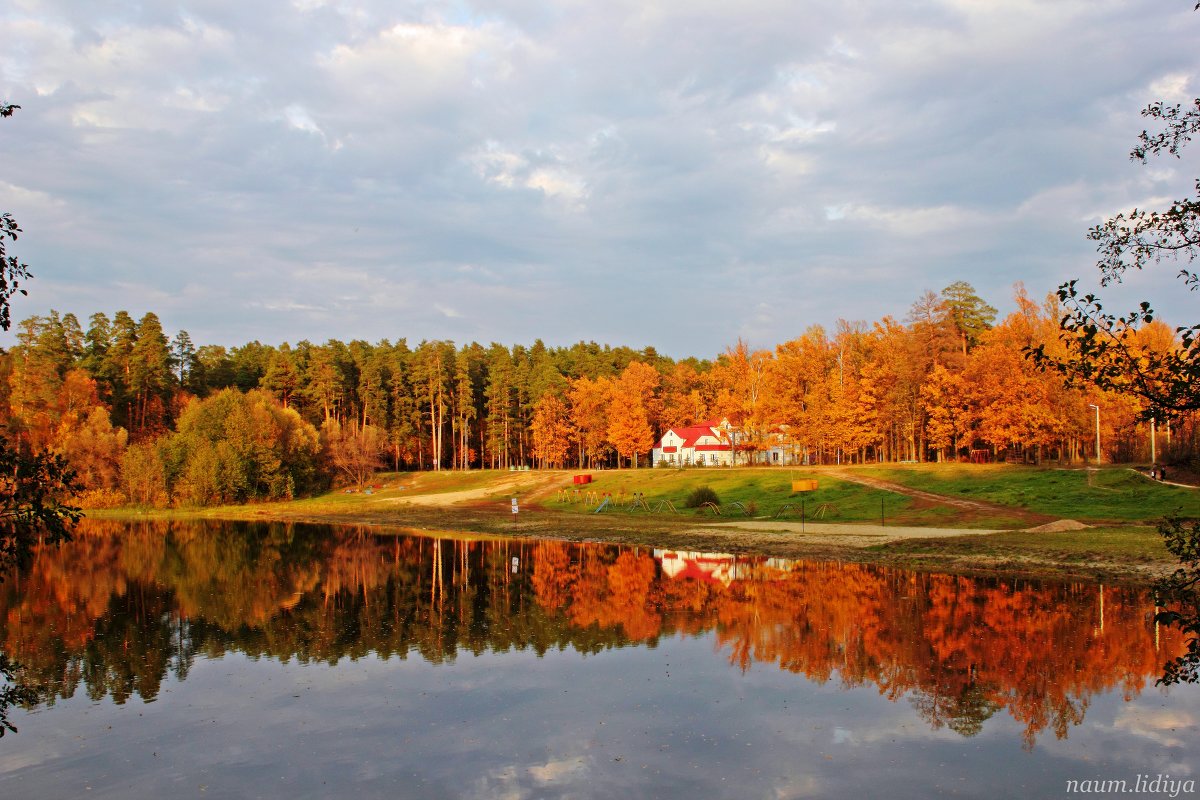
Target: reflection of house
pixel 719 567
pixel 708 443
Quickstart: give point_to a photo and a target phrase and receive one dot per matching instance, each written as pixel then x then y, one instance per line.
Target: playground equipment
pixel 716 509
pixel 639 501
pixel 741 507
pixel 823 510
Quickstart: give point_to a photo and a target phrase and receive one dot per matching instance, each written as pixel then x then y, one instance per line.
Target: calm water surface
pixel 306 661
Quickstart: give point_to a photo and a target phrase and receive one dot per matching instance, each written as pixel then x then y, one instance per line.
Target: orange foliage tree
pixel 552 433
pixel 633 406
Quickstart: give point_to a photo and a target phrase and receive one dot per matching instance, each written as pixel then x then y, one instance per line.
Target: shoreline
pixel 970 552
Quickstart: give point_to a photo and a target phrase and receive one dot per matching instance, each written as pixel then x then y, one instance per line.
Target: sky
pixel 671 174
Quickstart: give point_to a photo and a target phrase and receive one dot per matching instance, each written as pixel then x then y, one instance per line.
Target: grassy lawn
pixel 1113 495
pixel 764 492
pixel 477 502
pixel 1110 494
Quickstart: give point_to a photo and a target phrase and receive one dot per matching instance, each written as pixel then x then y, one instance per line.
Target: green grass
pixel 1112 495
pixel 765 490
pixel 1115 494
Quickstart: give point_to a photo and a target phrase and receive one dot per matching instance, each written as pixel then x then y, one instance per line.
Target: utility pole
pixel 1093 405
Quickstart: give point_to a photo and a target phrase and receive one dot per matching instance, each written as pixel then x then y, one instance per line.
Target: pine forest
pixel 149 418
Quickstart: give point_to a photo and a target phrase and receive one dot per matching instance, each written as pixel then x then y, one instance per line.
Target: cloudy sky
pixel 675 174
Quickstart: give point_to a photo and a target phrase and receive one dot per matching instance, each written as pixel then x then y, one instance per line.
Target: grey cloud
pixel 559 171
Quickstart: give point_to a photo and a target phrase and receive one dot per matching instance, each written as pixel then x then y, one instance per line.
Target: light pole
pixel 1093 405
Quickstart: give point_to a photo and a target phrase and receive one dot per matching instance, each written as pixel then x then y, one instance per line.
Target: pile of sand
pixel 1059 525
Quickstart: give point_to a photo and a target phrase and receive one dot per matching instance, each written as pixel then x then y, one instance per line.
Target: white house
pixel 778 448
pixel 707 443
pixel 718 443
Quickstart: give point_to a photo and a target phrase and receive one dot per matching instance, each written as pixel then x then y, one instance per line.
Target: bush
pixel 100 498
pixel 701 495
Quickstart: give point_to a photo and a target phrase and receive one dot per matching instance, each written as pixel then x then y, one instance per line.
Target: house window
pixel 712 458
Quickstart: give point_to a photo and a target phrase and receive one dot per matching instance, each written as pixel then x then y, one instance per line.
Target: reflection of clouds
pixel 1169 727
pixel 559 770
pixel 12 762
pixel 512 782
pixel 799 786
pixel 843 736
pixel 500 784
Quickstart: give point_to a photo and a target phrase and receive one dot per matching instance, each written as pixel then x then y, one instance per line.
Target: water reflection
pixel 122 608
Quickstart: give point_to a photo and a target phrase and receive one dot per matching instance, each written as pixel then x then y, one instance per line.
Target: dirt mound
pixel 1059 525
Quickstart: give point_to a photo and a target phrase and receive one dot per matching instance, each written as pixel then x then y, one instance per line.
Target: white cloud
pixel 496 165
pixel 299 118
pixel 557 182
pixel 1172 88
pixel 285 305
pixel 24 198
pixel 420 65
pixel 512 170
pixel 909 222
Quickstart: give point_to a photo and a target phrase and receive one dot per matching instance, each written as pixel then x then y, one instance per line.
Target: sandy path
pixel 526 486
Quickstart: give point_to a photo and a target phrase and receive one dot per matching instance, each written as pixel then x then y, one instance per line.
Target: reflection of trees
pixel 963 712
pixel 14 691
pixel 123 607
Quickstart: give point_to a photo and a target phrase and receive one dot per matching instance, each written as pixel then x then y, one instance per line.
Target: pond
pixel 232 660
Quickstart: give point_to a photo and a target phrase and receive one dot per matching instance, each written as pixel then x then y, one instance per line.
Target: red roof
pixel 692 433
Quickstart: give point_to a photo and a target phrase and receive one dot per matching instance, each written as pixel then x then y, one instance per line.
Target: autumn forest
pixel 149 418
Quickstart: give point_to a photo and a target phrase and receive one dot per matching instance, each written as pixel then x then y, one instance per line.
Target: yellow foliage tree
pixel 552 432
pixel 589 401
